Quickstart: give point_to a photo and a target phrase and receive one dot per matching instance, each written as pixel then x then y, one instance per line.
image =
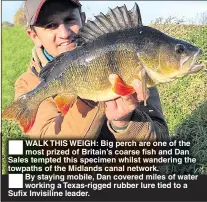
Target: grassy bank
pixel 16 54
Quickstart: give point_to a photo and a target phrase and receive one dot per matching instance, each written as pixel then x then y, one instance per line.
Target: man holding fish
pixel 53 27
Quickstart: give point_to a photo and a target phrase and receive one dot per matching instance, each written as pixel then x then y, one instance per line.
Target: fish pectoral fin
pixel 121 88
pixel 144 85
pixel 64 102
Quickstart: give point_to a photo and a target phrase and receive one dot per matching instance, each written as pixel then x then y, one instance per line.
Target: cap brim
pixel 34 18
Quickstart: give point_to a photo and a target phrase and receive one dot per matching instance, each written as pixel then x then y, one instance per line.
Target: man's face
pixel 56 28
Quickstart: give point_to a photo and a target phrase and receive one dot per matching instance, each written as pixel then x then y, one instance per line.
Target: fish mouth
pixel 196 65
pixel 191 64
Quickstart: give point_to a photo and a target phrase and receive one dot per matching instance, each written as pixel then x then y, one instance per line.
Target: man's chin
pixel 69 47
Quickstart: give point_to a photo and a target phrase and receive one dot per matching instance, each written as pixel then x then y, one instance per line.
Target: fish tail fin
pixel 22 112
pixel 116 19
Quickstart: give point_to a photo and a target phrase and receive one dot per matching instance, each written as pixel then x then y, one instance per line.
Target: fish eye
pixel 179 48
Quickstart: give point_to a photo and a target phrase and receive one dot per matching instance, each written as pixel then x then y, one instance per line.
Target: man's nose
pixel 64 31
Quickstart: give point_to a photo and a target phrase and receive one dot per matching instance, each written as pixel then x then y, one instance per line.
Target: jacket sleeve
pixel 50 124
pixel 147 122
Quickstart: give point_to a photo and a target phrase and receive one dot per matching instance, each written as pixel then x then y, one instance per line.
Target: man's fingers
pixel 137 84
pixel 111 104
pixel 129 100
pixel 126 103
pixel 112 78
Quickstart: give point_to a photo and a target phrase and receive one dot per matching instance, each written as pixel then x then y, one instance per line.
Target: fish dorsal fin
pixel 116 19
pixel 136 16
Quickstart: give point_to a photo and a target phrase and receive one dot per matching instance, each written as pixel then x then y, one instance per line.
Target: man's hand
pixel 119 111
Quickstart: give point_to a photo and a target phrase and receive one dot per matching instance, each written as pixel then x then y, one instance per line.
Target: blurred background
pixel 150 10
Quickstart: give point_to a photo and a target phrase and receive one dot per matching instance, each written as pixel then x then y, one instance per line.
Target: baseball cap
pixel 33 7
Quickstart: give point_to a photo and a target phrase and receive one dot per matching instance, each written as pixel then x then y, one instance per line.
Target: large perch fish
pixel 115 43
